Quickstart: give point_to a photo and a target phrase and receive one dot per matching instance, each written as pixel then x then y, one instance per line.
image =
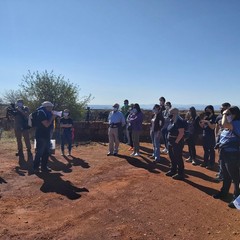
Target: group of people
pixel 44 123
pixel 219 133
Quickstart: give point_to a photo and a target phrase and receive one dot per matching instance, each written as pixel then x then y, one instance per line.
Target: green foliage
pixel 39 87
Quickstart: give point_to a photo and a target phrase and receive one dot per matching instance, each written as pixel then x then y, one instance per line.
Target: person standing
pixel 165 113
pixel 218 130
pixel 193 131
pixel 209 141
pixel 45 120
pixel 136 120
pixel 21 128
pixel 125 111
pixel 116 120
pixel 162 102
pixel 157 123
pixel 66 125
pixel 230 153
pixel 175 144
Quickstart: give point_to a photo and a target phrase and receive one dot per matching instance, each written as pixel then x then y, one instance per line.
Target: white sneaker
pixel 164 150
pixel 136 154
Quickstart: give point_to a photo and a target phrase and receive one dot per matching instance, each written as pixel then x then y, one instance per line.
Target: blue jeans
pixel 164 135
pixel 66 137
pixel 155 136
pixel 42 153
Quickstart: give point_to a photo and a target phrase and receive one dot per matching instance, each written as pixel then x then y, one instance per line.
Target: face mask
pixel 229 118
pixel 115 109
pixel 207 114
pixel 65 114
pixel 167 107
pixel 125 104
pixel 155 111
pixel 135 110
pixel 20 104
pixel 171 116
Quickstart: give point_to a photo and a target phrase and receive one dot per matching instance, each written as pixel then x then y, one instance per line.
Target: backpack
pixel 32 119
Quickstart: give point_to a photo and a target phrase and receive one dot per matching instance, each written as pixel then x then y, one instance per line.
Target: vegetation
pixel 36 88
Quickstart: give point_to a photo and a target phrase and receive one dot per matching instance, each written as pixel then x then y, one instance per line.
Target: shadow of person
pixel 137 162
pixel 2 181
pixel 146 149
pixel 200 175
pixel 54 183
pixel 23 166
pixel 57 165
pixel 77 162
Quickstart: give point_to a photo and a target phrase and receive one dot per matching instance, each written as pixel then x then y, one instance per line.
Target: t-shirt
pixel 173 127
pixel 66 121
pixel 230 139
pixel 41 130
pixel 207 131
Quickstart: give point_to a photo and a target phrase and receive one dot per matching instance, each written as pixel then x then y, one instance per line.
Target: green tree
pixel 39 87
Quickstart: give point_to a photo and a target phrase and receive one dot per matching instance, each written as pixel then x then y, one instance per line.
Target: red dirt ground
pixel 92 196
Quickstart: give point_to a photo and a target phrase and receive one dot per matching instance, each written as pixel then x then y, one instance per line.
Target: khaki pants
pixel 25 134
pixel 113 140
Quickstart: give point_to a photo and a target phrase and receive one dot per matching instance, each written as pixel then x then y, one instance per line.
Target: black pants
pixel 231 171
pixel 191 142
pixel 209 152
pixel 175 154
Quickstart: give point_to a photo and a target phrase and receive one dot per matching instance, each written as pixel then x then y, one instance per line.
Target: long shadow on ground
pixel 54 183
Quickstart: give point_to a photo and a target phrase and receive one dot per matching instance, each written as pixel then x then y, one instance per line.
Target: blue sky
pixel 185 50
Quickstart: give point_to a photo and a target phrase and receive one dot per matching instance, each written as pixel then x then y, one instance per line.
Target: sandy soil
pixel 92 196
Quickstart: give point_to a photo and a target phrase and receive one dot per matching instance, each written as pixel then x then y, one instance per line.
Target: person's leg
pixel 111 140
pixel 69 141
pixel 152 140
pixel 63 140
pixel 116 140
pixel 40 147
pixel 25 134
pixel 178 156
pixel 157 136
pixel 45 155
pixel 171 153
pixel 137 144
pixel 18 134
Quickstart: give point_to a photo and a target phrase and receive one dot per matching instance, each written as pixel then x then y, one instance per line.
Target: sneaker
pixel 194 162
pixel 219 195
pixel 156 161
pixel 164 151
pixel 115 154
pixel 69 154
pixel 178 176
pixel 62 153
pixel 189 160
pixel 152 157
pixel 136 154
pixel 231 205
pixel 109 153
pixel 203 165
pixel 170 173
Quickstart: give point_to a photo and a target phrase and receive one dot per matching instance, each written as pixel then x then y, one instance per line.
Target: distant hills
pixel 198 107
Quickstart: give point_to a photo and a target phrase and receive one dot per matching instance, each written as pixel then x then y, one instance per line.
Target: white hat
pixel 47 104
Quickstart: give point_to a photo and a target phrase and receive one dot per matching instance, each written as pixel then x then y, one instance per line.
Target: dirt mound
pixel 92 196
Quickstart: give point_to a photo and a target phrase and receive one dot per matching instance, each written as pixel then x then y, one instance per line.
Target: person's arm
pixel 47 123
pixel 180 135
pixel 225 122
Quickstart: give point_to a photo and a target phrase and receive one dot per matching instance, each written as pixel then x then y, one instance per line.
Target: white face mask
pixel 134 110
pixel 20 104
pixel 229 118
pixel 65 114
pixel 115 109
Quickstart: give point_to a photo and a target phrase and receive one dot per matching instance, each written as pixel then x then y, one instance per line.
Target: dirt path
pixel 92 196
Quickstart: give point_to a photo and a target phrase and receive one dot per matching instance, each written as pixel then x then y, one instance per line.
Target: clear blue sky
pixel 185 50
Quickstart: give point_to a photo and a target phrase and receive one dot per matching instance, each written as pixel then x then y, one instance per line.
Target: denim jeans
pixel 66 137
pixel 155 136
pixel 231 168
pixel 42 153
pixel 164 134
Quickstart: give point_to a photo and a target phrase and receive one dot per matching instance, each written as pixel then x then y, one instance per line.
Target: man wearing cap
pixel 21 127
pixel 116 120
pixel 45 120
